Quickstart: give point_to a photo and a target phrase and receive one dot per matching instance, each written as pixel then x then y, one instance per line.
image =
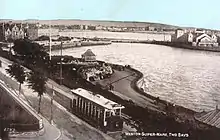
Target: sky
pixel 188 13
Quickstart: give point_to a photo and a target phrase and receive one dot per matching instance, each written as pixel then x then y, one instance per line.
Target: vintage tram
pixel 97 110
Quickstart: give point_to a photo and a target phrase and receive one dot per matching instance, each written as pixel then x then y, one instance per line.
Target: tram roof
pixel 98 99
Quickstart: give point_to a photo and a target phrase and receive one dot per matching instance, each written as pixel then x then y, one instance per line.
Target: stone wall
pixel 22 119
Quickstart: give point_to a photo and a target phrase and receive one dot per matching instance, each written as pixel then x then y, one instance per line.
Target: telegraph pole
pixel 61 58
pixel 3 29
pixel 50 40
pixel 51 111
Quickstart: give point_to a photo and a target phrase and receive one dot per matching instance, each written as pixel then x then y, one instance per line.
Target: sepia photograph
pixel 109 70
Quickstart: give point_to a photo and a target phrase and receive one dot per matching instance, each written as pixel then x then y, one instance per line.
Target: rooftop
pixel 88 53
pixel 98 99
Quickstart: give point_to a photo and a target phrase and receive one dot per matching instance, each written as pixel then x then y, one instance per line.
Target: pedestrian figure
pixel 123 68
pixel 111 87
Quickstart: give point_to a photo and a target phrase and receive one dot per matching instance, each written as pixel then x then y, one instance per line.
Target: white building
pixel 34 33
pixel 196 38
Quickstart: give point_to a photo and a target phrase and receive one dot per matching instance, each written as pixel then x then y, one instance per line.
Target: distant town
pixel 12 30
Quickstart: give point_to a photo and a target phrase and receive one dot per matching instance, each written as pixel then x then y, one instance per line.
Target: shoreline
pixel 187 46
pixel 134 85
pixel 102 41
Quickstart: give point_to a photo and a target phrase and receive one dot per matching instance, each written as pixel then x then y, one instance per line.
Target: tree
pixel 10 40
pixel 17 71
pixel 37 81
pixel 43 38
pixel 32 53
pixel 25 47
pixel 64 38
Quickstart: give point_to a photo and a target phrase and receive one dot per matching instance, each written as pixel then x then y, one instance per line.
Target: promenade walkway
pixel 124 87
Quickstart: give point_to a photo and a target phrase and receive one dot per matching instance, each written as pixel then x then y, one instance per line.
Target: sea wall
pixel 134 85
pixel 118 35
pixel 186 46
pixel 171 44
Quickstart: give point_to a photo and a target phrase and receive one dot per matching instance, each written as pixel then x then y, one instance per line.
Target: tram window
pixel 117 111
pixel 116 125
pixel 74 102
pixel 108 114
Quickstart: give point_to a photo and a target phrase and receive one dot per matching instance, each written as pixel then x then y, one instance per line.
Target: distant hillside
pixel 95 22
pixel 103 23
